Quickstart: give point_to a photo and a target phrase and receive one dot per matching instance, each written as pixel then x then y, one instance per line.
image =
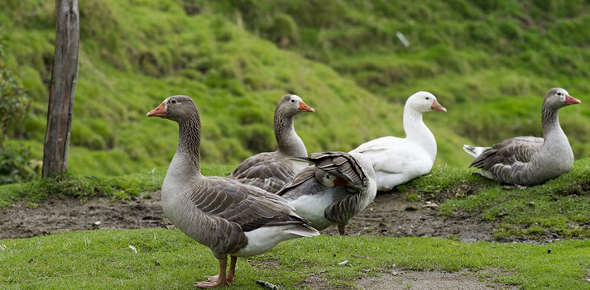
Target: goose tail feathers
pixel 474 151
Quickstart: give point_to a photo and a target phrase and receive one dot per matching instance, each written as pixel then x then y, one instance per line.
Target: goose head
pixel 291 105
pixel 174 108
pixel 558 98
pixel 329 180
pixel 424 102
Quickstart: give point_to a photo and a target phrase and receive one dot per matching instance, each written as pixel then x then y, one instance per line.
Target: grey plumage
pixel 273 170
pixel 530 160
pixel 225 215
pixel 338 187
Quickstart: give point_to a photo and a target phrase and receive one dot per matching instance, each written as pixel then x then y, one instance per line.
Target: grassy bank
pixel 168 259
pixel 489 64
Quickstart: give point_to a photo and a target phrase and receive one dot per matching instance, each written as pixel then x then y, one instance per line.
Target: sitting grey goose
pixel 225 215
pixel 530 160
pixel 339 186
pixel 273 170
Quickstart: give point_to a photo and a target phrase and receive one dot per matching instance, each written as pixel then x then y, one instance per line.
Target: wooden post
pixel 63 85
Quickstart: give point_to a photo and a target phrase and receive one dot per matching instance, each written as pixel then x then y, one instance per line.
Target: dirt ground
pixel 390 215
pixel 404 280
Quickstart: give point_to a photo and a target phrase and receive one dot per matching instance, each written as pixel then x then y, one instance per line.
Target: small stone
pixel 96 224
pixel 266 285
pixel 343 263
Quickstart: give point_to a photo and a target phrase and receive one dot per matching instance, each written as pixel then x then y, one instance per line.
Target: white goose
pixel 530 160
pixel 225 215
pixel 398 160
pixel 337 188
pixel 273 170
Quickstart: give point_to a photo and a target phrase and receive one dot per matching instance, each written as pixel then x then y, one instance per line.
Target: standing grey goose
pixel 225 215
pixel 337 188
pixel 273 170
pixel 530 160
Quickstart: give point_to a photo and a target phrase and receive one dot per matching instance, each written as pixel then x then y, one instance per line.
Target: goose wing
pixel 265 170
pixel 509 155
pixel 342 165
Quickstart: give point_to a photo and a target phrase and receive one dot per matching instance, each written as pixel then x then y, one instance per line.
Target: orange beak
pixel 159 111
pixel 437 107
pixel 569 100
pixel 303 107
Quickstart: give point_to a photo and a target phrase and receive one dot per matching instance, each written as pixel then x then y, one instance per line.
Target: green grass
pixel 134 54
pixel 489 63
pixel 167 259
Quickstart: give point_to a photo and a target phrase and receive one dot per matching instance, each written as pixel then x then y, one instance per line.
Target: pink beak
pixel 437 107
pixel 569 100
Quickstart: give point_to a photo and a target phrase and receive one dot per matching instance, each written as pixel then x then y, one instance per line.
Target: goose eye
pixel 173 101
pixel 292 101
pixel 428 98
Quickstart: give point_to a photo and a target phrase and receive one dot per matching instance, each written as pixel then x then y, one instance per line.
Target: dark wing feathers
pixel 508 152
pixel 340 164
pixel 343 165
pixel 247 206
pixel 268 171
pixel 343 210
pixel 300 178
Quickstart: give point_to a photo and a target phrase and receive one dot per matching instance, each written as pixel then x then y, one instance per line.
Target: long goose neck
pixel 189 143
pixel 550 124
pixel 289 142
pixel 417 132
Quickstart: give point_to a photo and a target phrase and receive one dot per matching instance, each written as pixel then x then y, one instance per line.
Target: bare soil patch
pixel 55 215
pixel 389 216
pixel 404 280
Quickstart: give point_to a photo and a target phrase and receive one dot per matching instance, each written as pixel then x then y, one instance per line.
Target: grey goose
pixel 338 187
pixel 530 160
pixel 225 215
pixel 273 170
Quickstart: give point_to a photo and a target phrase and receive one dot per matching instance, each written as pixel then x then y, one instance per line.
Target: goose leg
pixel 230 274
pixel 342 229
pixel 232 269
pixel 215 281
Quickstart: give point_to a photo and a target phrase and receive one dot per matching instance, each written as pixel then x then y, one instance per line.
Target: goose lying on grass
pixel 336 189
pixel 398 160
pixel 530 160
pixel 225 215
pixel 273 170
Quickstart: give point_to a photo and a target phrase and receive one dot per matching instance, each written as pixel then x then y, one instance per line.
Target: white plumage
pixel 398 160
